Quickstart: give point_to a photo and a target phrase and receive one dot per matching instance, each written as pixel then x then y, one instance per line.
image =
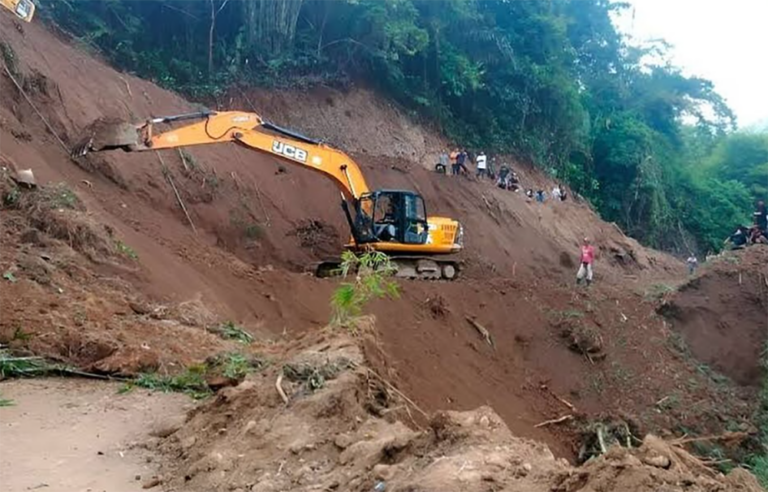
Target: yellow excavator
pixel 391 221
pixel 24 9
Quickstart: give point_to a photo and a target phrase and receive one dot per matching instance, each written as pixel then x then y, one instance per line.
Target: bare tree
pixel 271 24
pixel 214 13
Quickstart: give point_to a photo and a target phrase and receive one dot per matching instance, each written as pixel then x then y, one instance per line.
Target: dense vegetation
pixel 552 81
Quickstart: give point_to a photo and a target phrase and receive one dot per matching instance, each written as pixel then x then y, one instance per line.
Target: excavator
pixel 24 9
pixel 391 221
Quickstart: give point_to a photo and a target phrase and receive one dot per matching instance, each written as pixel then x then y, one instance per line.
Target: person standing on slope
pixel 482 165
pixel 587 258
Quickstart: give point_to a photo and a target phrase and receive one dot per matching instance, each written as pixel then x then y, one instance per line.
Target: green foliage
pixel 372 271
pixel 17 367
pixel 190 382
pixel 4 402
pixel 126 250
pixel 231 331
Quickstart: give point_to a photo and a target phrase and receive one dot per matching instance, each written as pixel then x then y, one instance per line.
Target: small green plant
pixel 235 366
pixel 9 276
pixel 231 331
pixel 10 59
pixel 657 291
pixel 190 382
pixel 20 335
pixel 372 271
pixel 189 159
pixel 4 402
pixel 11 198
pixel 713 375
pixel 566 314
pixel 254 231
pixel 678 343
pixel 126 250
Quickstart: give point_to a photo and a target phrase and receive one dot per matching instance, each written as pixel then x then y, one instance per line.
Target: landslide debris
pixel 327 438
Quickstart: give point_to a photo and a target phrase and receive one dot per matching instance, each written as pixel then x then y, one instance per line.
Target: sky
pixel 725 41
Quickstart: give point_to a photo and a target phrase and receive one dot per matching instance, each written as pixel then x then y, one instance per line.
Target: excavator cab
pixel 24 9
pixel 391 216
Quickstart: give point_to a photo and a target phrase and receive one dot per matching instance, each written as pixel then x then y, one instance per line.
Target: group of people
pixel 458 159
pixel 506 178
pixel 755 234
pixel 559 193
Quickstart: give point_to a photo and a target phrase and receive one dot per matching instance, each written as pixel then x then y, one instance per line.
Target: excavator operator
pixel 386 228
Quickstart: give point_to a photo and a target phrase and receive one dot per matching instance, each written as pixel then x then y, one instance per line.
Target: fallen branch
pixel 482 330
pixel 393 389
pixel 727 436
pixel 559 420
pixel 183 160
pixel 167 173
pixel 564 401
pixel 127 86
pixel 601 440
pixel 279 387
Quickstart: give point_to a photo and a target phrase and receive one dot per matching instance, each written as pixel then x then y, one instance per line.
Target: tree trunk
pixel 271 25
pixel 210 39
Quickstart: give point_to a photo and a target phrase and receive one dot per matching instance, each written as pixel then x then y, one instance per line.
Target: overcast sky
pixel 725 41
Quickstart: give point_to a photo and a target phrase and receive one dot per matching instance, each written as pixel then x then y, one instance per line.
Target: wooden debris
pixel 726 436
pixel 482 330
pixel 559 420
pixel 167 173
pixel 183 160
pixel 279 387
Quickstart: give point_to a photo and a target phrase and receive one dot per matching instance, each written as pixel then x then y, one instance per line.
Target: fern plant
pixel 372 272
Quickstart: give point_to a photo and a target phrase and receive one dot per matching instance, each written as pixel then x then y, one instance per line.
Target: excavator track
pixel 409 267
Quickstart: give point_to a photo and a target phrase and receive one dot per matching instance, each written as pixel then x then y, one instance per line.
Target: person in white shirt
pixel 556 194
pixel 482 165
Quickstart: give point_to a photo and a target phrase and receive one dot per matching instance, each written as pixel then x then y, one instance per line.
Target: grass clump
pixel 657 291
pixel 193 381
pixel 231 331
pixel 126 250
pixel 4 402
pixel 372 271
pixel 19 367
pixel 190 382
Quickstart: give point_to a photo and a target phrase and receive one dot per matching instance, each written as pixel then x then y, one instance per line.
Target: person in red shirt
pixel 585 266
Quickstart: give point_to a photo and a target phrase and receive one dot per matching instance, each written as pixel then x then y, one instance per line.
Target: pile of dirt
pixel 349 431
pixel 722 314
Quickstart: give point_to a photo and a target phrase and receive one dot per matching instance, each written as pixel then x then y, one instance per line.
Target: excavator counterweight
pixel 24 9
pixel 391 221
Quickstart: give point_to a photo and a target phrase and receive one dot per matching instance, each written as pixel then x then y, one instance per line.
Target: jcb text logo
pixel 289 151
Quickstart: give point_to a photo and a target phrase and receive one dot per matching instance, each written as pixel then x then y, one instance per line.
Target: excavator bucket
pixel 107 135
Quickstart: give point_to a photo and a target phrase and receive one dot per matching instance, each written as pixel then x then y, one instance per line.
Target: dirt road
pixel 79 436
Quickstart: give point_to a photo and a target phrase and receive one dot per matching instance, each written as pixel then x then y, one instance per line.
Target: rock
pixel 218 382
pixel 384 472
pixel 153 482
pixel 343 441
pixel 140 308
pixel 165 429
pixel 657 460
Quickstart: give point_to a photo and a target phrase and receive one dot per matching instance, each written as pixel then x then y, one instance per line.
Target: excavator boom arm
pixel 249 130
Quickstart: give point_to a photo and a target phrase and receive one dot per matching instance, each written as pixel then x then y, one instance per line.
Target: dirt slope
pixel 259 223
pixel 722 314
